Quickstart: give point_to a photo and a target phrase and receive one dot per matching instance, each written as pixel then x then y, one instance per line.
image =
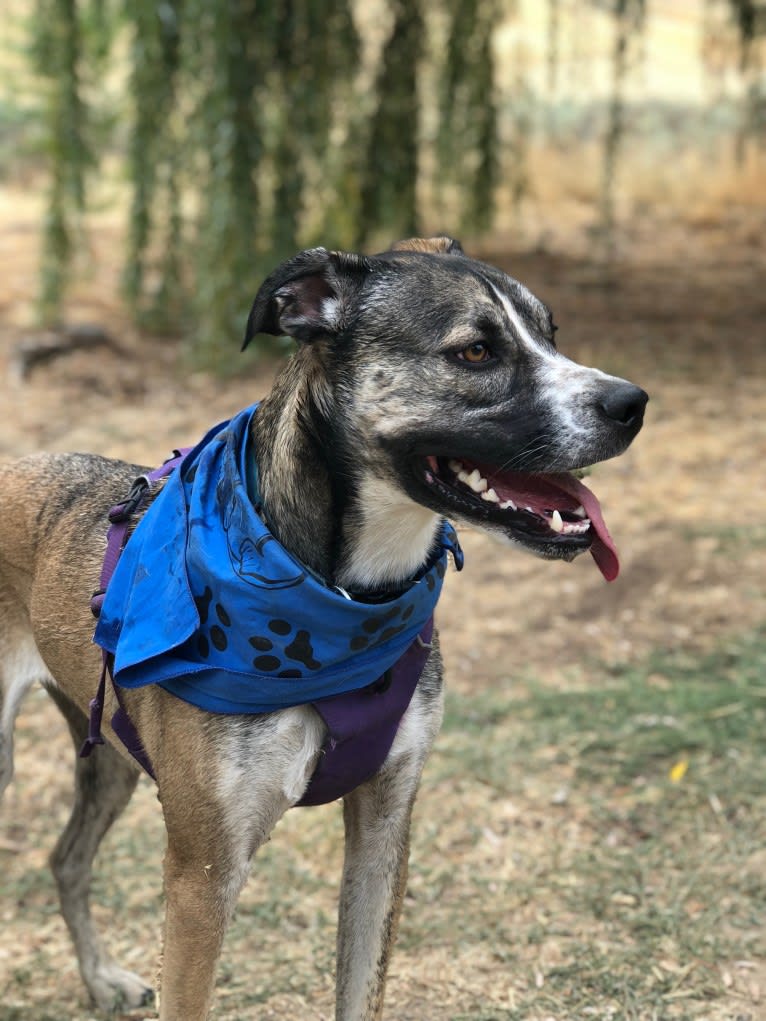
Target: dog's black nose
pixel 623 403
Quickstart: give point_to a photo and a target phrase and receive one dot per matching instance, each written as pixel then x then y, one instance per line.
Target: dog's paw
pixel 114 989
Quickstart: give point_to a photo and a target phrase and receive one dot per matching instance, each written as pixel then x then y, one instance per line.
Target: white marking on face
pixel 566 387
pixel 521 330
pixel 571 391
pixel 394 538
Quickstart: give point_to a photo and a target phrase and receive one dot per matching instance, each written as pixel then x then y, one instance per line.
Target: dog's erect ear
pixel 307 297
pixel 437 246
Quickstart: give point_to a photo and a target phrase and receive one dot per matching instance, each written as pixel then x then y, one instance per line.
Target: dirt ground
pixel 686 506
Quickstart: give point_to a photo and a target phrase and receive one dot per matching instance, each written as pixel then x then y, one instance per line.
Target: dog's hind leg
pixel 104 783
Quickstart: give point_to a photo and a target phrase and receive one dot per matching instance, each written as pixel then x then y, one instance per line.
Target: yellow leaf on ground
pixel 678 771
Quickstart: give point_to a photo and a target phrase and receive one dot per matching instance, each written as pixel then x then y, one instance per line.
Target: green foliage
pixel 228 151
pixel 251 129
pixel 467 137
pixel 57 53
pixel 248 139
pixel 629 18
pixel 390 172
pixel 234 105
pixel 153 151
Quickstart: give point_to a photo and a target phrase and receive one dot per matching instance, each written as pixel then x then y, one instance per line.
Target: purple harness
pixel 361 725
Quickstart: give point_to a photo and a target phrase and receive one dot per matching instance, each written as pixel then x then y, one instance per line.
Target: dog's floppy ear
pixel 308 296
pixel 438 246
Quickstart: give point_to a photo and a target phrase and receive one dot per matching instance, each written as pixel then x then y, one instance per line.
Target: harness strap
pixel 96 706
pixel 120 519
pixel 123 727
pixel 362 725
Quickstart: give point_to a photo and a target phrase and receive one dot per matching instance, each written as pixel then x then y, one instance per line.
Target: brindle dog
pixel 425 384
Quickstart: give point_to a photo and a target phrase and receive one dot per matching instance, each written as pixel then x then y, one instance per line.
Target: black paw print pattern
pixel 299 650
pixel 272 655
pixel 380 628
pixel 216 633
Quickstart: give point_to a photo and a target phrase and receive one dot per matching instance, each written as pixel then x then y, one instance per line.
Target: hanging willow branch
pixel 316 57
pixel 390 170
pixel 228 137
pixel 552 47
pixel 629 17
pixel 153 152
pixel 57 51
pixel 247 138
pixel 750 19
pixel 467 146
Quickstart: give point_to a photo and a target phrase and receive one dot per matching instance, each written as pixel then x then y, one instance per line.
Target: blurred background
pixel 218 138
pixel 591 837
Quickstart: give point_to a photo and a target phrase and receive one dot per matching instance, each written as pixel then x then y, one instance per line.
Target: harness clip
pixel 122 511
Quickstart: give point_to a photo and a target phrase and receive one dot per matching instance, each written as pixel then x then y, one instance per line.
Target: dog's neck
pixel 352 529
pixel 387 537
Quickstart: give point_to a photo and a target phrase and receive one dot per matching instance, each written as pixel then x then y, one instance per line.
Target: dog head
pixel 445 374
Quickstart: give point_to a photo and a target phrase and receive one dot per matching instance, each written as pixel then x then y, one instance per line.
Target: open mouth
pixel 552 514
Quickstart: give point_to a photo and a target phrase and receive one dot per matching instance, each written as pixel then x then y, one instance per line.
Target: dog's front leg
pixel 374 880
pixel 225 794
pixel 200 899
pixel 206 865
pixel 377 821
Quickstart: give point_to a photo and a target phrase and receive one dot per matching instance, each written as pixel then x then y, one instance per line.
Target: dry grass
pixel 563 865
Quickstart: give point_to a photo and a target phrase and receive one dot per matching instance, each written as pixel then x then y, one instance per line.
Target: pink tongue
pixel 603 549
pixel 562 492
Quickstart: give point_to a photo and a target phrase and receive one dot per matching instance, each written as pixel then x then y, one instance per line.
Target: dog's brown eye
pixel 474 353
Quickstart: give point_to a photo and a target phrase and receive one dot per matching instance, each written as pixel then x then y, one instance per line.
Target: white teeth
pixel 576 527
pixel 473 479
pixel 476 482
pixel 455 466
pixel 491 496
pixel 508 505
pixel 557 522
pixel 580 512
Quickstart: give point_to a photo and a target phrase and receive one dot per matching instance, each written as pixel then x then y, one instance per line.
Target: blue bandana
pixel 206 602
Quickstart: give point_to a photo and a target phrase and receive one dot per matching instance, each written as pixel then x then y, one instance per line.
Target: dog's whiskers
pixel 525 454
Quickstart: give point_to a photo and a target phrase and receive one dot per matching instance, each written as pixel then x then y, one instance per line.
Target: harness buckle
pixel 122 511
